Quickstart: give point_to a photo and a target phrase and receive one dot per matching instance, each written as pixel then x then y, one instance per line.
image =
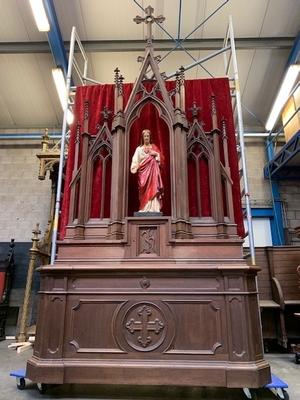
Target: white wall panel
pixel 262 232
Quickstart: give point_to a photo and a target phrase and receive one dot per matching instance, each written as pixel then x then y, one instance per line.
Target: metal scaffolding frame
pixel 230 65
pixel 73 65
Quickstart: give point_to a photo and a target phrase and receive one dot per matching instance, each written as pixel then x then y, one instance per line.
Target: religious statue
pixel 146 162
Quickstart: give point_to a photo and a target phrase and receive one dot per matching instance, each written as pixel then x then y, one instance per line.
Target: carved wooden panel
pixel 148 238
pixel 56 310
pixel 199 327
pixel 234 283
pixel 237 336
pixel 255 325
pixel 154 282
pixel 91 326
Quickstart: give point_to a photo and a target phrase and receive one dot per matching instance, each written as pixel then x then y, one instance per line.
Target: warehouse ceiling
pixel 264 30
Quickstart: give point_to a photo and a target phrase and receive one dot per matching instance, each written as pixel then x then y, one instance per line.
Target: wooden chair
pixel 271 307
pixel 283 262
pixel 6 276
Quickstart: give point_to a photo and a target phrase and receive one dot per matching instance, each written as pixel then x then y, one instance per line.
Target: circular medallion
pixel 144 326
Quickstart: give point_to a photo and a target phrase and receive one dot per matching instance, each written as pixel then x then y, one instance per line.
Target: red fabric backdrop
pixel 199 91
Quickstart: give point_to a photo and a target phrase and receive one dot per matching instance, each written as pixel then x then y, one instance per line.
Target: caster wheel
pixel 42 387
pixel 285 395
pixel 253 394
pixel 21 384
pixel 250 394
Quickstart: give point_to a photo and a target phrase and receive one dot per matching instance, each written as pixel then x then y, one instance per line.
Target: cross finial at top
pixel 149 20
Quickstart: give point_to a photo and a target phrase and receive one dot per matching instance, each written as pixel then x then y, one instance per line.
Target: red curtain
pixel 205 204
pixel 200 91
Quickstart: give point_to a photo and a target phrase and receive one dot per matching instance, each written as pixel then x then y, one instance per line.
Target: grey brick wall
pixel 24 199
pixel 259 187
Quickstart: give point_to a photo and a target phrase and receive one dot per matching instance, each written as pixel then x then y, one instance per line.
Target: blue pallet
pixel 19 373
pixel 276 383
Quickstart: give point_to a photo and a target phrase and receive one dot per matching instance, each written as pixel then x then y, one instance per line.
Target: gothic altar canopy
pixel 149 285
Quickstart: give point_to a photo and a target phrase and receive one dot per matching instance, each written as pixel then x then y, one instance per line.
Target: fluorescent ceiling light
pixel 40 15
pixel 70 117
pixel 283 95
pixel 60 85
pixel 61 89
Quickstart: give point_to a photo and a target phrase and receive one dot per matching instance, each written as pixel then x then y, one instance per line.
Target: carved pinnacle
pixel 78 133
pixel 35 238
pixel 86 110
pixel 116 71
pixel 213 104
pixel 45 135
pixel 224 132
pixel 181 74
pixel 177 80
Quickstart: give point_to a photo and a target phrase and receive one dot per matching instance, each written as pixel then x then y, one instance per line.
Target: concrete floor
pixel 282 365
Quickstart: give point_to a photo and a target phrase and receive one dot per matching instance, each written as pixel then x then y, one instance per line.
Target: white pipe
pixel 241 142
pixel 62 149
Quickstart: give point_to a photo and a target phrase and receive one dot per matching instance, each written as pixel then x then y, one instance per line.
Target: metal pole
pixel 200 61
pixel 62 149
pixel 179 42
pixel 242 144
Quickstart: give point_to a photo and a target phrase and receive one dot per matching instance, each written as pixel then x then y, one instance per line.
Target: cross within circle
pixel 144 325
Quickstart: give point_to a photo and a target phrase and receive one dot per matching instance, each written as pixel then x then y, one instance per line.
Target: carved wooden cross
pixel 195 111
pixel 149 20
pixel 105 113
pixel 144 326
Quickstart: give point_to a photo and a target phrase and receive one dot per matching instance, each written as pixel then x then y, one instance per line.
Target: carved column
pixel 230 212
pixel 74 181
pixel 219 209
pixel 118 163
pixel 79 230
pixel 181 208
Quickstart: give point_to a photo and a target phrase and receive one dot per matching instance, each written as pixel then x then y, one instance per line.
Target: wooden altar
pixel 151 300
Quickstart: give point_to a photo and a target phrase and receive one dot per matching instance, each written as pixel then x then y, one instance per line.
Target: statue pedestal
pixel 143 214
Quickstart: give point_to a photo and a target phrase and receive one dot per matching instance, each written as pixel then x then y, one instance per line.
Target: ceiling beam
pixel 55 39
pixel 95 46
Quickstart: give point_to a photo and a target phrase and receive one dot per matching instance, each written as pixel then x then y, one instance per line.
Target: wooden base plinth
pixel 192 324
pixel 141 373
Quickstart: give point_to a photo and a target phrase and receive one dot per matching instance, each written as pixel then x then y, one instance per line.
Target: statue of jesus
pixel 146 162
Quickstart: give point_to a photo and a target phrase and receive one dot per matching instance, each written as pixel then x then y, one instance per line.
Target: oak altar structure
pixel 151 299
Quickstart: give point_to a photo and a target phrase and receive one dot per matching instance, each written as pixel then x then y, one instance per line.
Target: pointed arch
pixel 99 175
pixel 200 172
